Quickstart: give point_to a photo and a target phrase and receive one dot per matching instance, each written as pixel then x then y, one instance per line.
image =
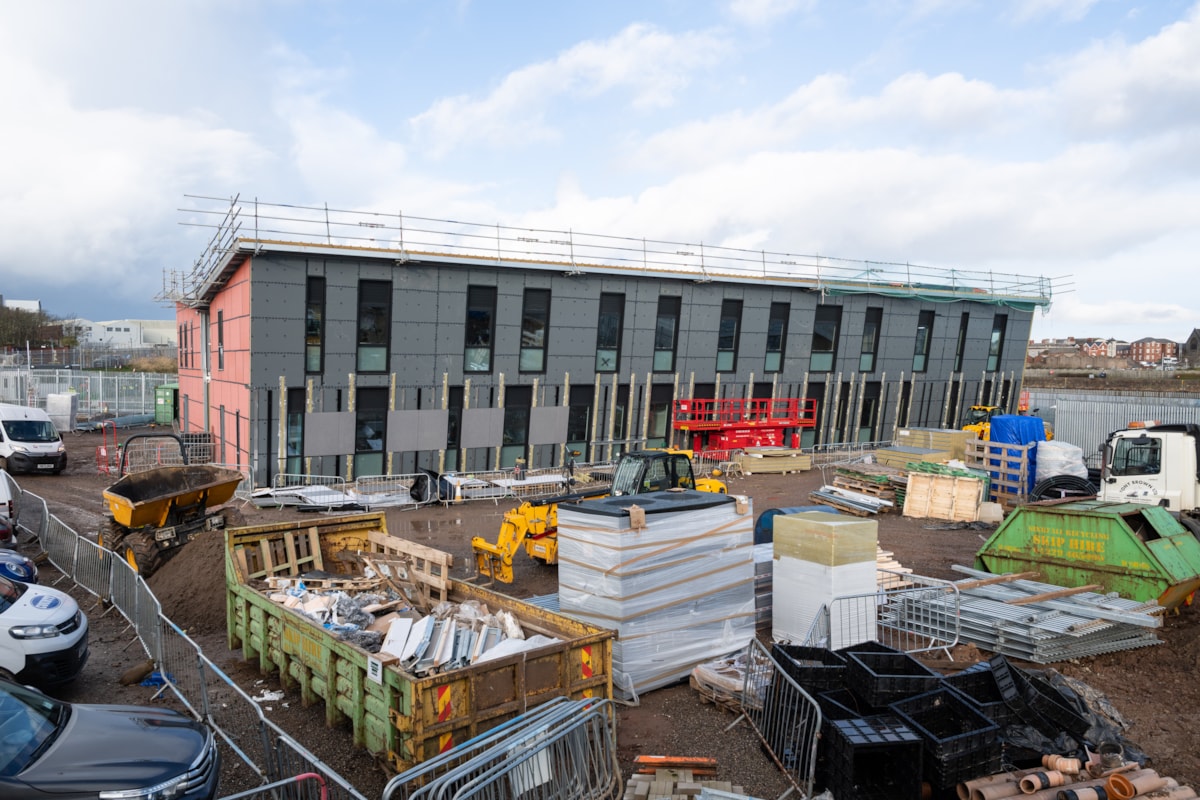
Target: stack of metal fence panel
pixel 671 572
pixel 1007 618
pixel 561 749
pixel 818 557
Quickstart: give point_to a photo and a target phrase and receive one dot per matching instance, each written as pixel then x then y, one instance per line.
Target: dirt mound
pixel 191 585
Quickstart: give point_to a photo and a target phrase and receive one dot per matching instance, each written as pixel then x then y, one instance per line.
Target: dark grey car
pixel 50 749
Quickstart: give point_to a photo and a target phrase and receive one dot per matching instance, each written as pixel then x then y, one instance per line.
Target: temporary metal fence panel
pixel 390 491
pixel 181 663
pixel 785 717
pixel 102 395
pixel 921 616
pixel 291 489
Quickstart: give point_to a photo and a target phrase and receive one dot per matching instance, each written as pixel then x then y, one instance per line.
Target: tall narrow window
pixel 370 427
pixel 296 402
pixel 825 338
pixel 480 329
pixel 870 340
pixel 728 334
pixel 517 402
pixel 374 325
pixel 220 340
pixel 961 346
pixel 535 320
pixel 924 338
pixel 314 324
pixel 608 332
pixel 776 336
pixel 996 345
pixel 666 333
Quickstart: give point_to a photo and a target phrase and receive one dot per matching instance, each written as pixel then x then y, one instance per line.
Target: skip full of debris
pixel 381 620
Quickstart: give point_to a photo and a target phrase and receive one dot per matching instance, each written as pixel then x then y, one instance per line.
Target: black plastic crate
pixel 883 678
pixel 1049 702
pixel 873 758
pixel 944 775
pixel 979 686
pixel 814 668
pixel 1032 705
pixel 842 704
pixel 867 647
pixel 947 723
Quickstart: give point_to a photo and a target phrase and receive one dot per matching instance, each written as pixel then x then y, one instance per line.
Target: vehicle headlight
pixel 20 448
pixel 167 790
pixel 33 631
pixel 62 448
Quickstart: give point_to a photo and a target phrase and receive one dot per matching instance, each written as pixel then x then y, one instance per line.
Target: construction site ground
pixel 1156 689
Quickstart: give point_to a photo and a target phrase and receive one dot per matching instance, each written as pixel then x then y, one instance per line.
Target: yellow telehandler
pixel 534 523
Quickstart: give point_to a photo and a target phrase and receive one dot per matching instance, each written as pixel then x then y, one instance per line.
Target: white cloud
pixel 1069 10
pixel 649 63
pixel 762 12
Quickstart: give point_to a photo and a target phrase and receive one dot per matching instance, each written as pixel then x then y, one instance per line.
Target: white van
pixel 44 637
pixel 29 442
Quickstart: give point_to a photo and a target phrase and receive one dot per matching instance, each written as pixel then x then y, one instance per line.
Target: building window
pixel 296 402
pixel 961 347
pixel 870 340
pixel 776 336
pixel 535 319
pixel 314 324
pixel 220 340
pixel 728 335
pixel 370 427
pixel 825 338
pixel 480 329
pixel 608 332
pixel 666 333
pixel 924 337
pixel 374 325
pixel 996 345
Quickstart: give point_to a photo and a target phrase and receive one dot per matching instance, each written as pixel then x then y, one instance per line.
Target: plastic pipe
pixel 1069 766
pixel 996 791
pixel 966 789
pixel 1041 780
pixel 1083 793
pixel 1129 785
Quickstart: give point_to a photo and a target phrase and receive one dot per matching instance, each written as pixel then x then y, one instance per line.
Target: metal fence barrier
pixel 198 683
pixel 913 617
pixel 564 749
pixel 785 717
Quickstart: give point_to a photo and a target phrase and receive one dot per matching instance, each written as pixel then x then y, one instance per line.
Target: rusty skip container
pixel 398 716
pixel 1139 551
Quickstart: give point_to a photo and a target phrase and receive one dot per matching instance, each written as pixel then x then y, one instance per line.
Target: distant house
pixel 1152 351
pixel 1190 352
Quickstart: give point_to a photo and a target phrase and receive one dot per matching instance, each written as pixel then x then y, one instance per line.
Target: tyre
pixel 1191 523
pixel 142 553
pixel 111 534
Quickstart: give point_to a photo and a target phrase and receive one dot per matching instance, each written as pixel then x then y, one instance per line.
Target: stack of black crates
pixel 891 724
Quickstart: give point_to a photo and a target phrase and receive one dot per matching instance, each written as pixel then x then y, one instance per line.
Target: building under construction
pixel 324 342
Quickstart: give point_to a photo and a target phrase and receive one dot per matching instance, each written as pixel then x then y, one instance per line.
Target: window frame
pixel 924 341
pixel 670 308
pixel 478 358
pixel 824 360
pixel 532 359
pixel 220 340
pixel 612 353
pixel 728 341
pixel 777 330
pixel 872 332
pixel 373 351
pixel 314 329
pixel 996 342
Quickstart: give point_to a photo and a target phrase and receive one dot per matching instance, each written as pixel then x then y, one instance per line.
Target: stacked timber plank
pixel 901 455
pixel 774 461
pixel 949 440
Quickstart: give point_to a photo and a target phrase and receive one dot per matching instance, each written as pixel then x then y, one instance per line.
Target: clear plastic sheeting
pixel 1056 458
pixel 674 578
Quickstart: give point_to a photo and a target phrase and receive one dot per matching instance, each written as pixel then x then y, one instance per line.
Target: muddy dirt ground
pixel 1156 689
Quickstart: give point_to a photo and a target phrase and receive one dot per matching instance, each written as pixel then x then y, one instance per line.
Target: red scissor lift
pixel 738 424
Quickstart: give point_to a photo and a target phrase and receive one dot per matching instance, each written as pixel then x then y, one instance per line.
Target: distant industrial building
pixel 356 344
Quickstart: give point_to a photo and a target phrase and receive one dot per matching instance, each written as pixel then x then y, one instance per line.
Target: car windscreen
pixel 29 722
pixel 10 592
pixel 30 430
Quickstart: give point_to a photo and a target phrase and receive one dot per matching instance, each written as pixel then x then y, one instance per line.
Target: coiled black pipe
pixel 1058 487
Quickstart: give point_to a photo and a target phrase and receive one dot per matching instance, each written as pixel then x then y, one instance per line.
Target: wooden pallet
pixel 881 490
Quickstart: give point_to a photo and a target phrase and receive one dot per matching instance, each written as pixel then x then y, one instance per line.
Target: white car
pixel 43 634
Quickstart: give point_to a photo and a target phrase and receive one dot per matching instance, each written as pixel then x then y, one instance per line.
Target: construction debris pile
pixel 892 727
pixel 379 619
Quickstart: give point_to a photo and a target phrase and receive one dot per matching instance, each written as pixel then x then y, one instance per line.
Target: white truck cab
pixel 1153 464
pixel 29 442
pixel 43 634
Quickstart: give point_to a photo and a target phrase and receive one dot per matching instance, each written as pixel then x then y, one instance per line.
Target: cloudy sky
pixel 1056 138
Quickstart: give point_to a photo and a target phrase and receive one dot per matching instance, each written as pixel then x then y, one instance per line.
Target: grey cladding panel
pixel 329 433
pixel 548 425
pixel 417 430
pixel 482 427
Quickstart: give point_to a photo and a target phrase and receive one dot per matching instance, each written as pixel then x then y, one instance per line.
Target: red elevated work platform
pixel 735 424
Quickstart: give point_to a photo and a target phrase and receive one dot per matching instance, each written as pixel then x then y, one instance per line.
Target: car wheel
pixel 7 675
pixel 142 553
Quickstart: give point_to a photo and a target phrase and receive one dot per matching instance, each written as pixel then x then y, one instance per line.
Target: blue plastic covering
pixel 764 528
pixel 1017 429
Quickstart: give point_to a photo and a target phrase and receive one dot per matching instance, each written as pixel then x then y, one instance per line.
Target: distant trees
pixel 18 327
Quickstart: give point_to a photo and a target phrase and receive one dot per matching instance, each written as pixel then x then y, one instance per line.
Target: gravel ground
pixel 1155 688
